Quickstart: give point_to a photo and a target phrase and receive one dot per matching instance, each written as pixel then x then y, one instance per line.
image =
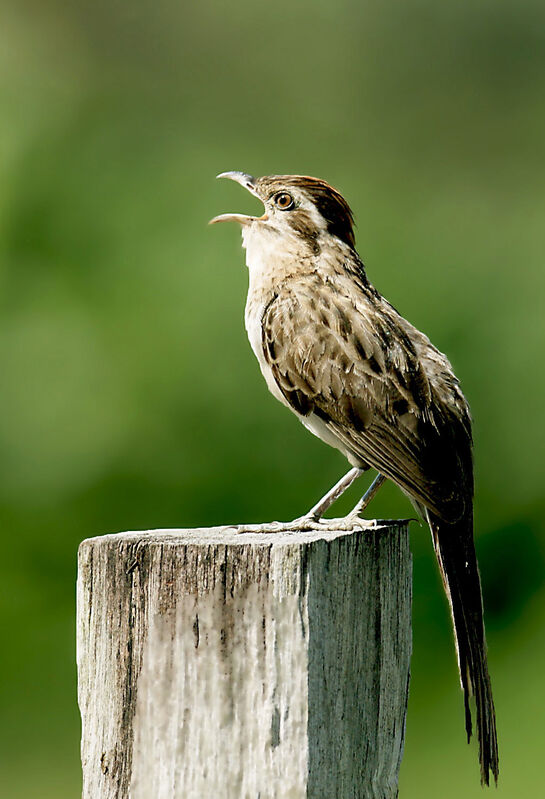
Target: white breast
pixel 267 268
pixel 252 317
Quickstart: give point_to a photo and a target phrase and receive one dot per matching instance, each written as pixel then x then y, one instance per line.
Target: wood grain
pixel 258 665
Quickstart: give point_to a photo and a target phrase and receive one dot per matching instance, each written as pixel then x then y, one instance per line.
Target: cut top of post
pixel 265 534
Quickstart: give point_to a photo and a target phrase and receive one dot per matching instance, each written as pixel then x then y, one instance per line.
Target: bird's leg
pixel 313 519
pixel 333 494
pixel 367 497
pixel 353 520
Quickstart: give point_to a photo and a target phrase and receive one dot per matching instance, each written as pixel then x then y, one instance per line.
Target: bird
pixel 367 382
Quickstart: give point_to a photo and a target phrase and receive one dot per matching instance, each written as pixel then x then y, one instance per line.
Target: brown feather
pixel 329 202
pixel 366 381
pixel 359 369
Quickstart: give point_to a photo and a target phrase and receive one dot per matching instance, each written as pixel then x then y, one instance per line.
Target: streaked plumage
pixel 367 382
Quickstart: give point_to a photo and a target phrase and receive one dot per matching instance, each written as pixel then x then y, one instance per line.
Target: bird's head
pixel 307 209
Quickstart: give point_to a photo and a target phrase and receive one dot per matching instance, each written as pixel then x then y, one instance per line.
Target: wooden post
pixel 244 666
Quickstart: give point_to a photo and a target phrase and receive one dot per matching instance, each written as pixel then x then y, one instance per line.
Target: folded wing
pixel 378 384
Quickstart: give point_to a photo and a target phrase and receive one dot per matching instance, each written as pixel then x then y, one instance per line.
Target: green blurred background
pixel 130 398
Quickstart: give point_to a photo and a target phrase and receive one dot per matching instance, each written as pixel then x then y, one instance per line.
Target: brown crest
pixel 330 203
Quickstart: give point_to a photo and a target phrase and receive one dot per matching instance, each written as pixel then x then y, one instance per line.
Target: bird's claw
pixel 303 524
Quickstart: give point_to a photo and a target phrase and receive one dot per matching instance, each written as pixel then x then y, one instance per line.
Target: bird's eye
pixel 284 201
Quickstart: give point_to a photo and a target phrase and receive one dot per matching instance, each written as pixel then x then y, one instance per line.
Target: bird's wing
pixel 353 361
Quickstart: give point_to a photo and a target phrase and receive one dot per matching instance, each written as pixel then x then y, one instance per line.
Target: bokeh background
pixel 130 398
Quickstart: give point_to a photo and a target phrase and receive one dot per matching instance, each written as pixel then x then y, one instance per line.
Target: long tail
pixel 455 552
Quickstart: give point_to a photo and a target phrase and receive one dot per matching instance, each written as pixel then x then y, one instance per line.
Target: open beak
pixel 249 183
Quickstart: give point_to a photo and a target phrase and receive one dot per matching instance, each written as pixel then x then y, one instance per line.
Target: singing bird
pixel 364 380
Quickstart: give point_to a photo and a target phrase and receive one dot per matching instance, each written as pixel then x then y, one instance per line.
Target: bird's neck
pixel 273 259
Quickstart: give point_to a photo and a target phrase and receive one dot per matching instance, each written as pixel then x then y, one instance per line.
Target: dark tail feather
pixel 455 552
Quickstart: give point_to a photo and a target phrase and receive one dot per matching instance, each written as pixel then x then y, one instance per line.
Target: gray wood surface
pixel 244 666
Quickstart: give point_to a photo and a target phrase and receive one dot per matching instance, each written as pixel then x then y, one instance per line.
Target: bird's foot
pixel 349 523
pixel 303 524
pixel 353 521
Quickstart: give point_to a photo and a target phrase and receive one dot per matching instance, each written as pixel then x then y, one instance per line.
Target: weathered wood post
pixel 217 665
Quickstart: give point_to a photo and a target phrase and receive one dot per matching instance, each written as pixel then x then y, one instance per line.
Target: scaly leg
pixel 313 519
pixel 367 497
pixel 333 494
